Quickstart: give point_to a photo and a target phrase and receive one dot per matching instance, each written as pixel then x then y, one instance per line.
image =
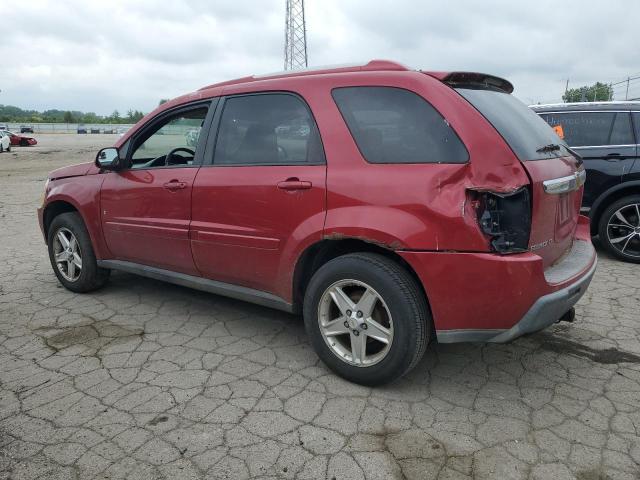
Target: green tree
pixel 68 117
pixel 163 100
pixel 598 92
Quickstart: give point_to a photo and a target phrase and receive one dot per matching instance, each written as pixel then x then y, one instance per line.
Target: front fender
pixel 83 193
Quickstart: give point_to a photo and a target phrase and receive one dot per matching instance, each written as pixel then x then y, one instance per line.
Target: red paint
pixel 146 220
pixel 17 139
pixel 498 290
pixel 245 230
pixel 249 225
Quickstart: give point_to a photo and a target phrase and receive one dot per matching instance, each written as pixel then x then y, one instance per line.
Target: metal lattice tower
pixel 295 36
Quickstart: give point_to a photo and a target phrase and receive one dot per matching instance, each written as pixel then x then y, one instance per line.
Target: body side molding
pixel 199 283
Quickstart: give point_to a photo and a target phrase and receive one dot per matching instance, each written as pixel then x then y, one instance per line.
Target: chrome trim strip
pixel 606 146
pixel 566 184
pixel 199 283
pixel 585 111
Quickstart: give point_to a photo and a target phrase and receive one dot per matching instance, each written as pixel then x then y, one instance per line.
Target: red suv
pixel 391 206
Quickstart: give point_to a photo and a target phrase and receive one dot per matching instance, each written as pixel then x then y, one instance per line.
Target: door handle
pixel 294 184
pixel 174 185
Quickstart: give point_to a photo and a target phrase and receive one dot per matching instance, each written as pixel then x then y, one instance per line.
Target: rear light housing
pixel 505 218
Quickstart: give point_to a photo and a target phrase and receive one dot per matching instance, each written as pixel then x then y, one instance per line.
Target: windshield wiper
pixel 552 147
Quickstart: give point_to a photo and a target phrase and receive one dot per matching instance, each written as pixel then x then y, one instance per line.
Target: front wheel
pixel 72 256
pixel 619 228
pixel 367 318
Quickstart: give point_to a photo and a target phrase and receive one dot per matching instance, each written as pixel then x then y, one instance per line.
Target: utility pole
pixel 626 95
pixel 295 36
pixel 566 91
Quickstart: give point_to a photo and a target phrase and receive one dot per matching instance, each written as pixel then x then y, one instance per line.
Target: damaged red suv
pixel 392 207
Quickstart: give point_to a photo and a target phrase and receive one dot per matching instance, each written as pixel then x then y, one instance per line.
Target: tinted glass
pixel 522 129
pixel 392 125
pixel 181 130
pixel 268 129
pixel 636 123
pixel 583 129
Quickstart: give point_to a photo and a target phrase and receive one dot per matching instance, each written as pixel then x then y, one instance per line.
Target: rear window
pixel 393 125
pixel 583 129
pixel 524 131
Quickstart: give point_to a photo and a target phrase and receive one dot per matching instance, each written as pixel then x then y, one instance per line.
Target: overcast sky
pixel 103 55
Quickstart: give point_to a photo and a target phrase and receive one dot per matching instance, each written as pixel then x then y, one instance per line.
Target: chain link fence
pixel 70 127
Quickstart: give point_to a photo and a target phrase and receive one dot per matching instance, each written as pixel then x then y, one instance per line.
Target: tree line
pixel 598 92
pixel 9 113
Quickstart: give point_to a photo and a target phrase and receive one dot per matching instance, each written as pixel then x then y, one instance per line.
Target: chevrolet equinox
pixel 391 207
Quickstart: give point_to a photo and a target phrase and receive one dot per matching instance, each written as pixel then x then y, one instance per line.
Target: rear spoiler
pixel 473 80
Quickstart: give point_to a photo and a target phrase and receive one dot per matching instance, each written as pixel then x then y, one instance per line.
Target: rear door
pixel 604 139
pixel 262 192
pixel 556 175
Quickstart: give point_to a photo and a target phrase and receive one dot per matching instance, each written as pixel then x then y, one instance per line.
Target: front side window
pixel 267 129
pixel 584 129
pixel 393 125
pixel 172 142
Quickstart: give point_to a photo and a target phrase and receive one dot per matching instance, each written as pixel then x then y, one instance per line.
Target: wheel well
pixel 320 253
pixel 53 210
pixel 608 200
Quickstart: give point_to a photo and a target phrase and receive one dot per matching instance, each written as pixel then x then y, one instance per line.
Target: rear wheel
pixel 72 256
pixel 1 148
pixel 366 318
pixel 619 228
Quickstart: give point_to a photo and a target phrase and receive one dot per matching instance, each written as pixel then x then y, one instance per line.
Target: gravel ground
pixel 148 380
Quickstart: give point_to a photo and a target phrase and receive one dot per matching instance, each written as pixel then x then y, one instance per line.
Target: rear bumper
pixel 496 298
pixel 546 311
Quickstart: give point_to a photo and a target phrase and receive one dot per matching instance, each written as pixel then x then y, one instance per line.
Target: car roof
pixel 373 65
pixel 582 106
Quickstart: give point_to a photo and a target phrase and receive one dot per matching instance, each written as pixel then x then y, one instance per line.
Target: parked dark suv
pixel 389 206
pixel 606 135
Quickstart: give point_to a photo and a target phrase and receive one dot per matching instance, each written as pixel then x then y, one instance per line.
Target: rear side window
pixel 267 129
pixel 393 125
pixel 524 131
pixel 583 129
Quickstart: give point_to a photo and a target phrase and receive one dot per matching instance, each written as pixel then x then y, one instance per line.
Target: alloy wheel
pixel 355 323
pixel 67 254
pixel 623 230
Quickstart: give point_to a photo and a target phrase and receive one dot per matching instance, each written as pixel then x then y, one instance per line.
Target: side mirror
pixel 108 159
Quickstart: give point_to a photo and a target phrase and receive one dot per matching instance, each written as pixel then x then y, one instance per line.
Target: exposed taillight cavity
pixel 505 218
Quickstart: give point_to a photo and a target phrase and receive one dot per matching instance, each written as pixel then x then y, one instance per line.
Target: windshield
pixel 530 137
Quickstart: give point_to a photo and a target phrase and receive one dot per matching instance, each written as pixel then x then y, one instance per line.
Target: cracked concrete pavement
pixel 145 380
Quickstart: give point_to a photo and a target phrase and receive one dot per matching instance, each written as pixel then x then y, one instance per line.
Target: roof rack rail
pixel 373 65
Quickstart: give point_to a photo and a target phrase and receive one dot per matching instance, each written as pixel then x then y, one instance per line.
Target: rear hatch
pixel 555 172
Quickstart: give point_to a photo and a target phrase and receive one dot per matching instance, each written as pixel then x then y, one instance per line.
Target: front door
pixel 263 194
pixel 146 208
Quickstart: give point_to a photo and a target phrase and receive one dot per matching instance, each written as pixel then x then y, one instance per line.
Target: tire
pixel 400 307
pixel 24 143
pixel 619 229
pixel 1 148
pixel 9 148
pixel 90 276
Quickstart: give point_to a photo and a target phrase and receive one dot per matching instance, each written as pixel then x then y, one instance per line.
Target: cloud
pixel 100 56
